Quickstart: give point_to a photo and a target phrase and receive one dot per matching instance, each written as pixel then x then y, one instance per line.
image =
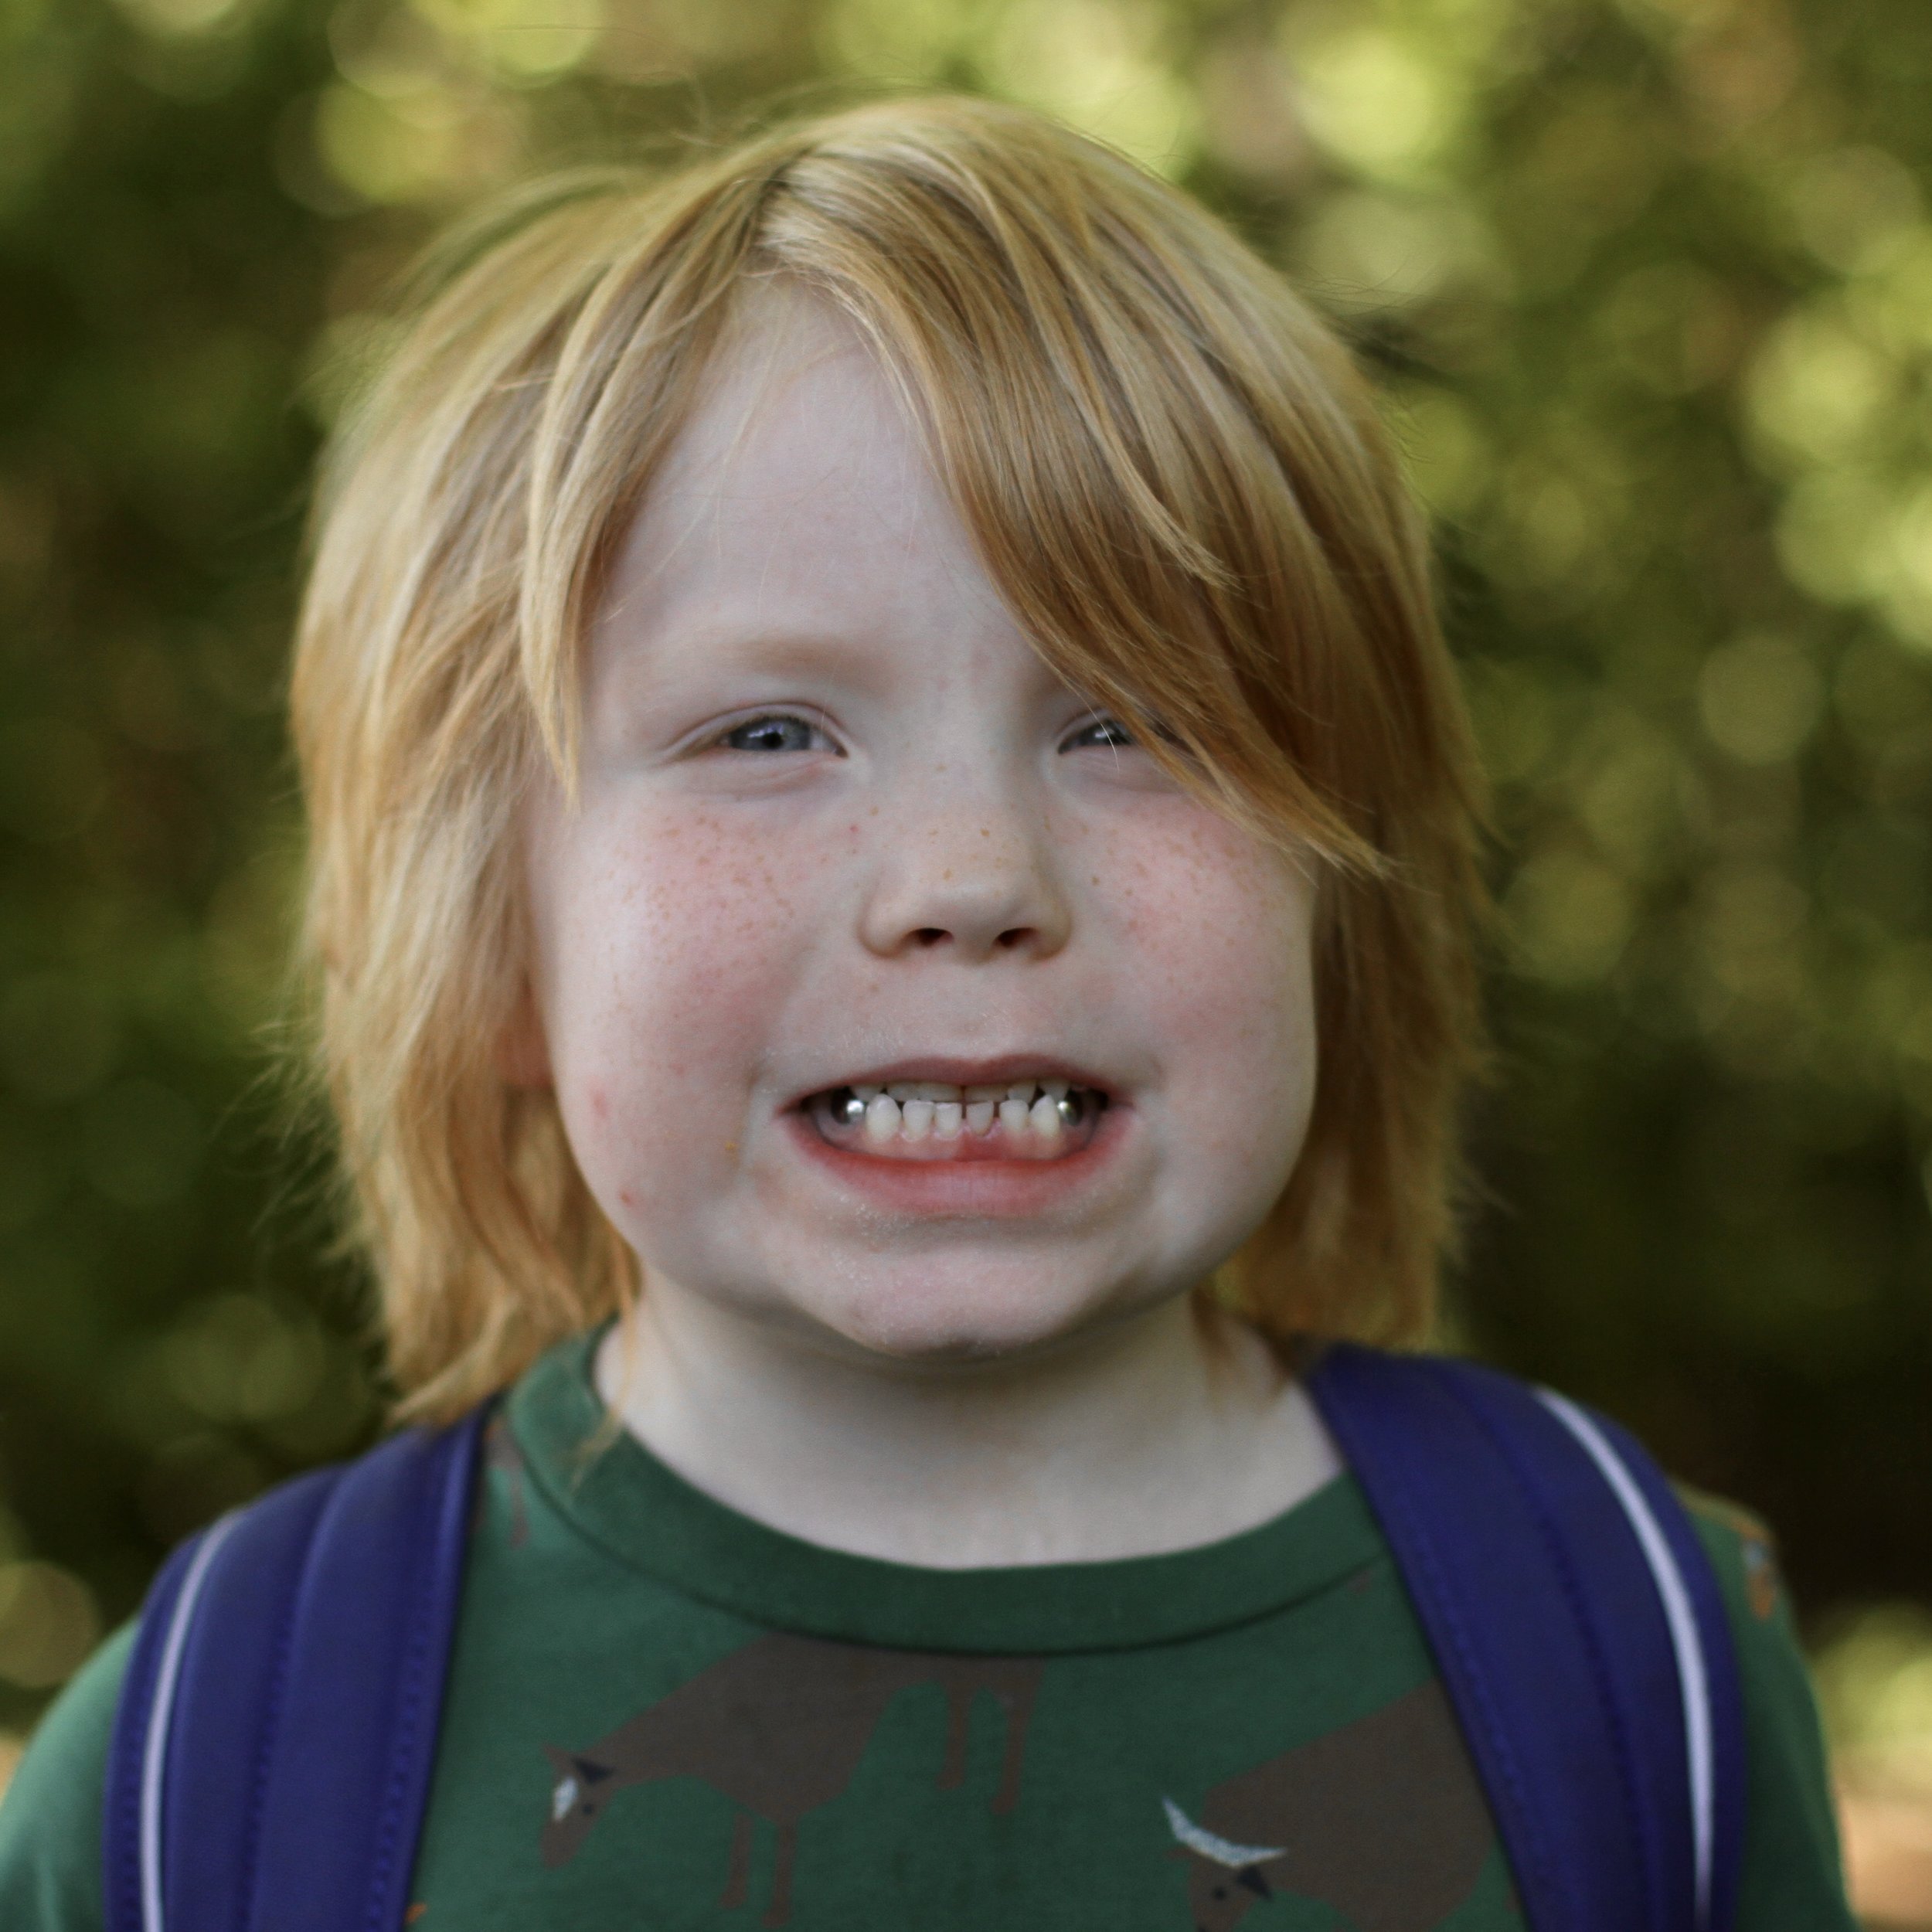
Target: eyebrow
pixel 741 649
pixel 782 649
pixel 785 653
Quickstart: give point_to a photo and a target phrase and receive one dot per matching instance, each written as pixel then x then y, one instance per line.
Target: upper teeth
pixel 915 1109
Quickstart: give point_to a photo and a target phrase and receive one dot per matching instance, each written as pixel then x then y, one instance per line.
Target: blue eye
pixel 1105 732
pixel 777 733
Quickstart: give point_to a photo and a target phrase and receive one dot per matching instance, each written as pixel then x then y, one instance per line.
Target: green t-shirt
pixel 663 1715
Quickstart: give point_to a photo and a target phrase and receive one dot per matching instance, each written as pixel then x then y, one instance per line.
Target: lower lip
pixel 998 1189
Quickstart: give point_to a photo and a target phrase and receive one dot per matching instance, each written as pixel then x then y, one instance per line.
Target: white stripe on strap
pixel 154 1756
pixel 1693 1680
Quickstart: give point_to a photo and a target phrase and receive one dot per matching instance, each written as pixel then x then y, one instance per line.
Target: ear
pixel 522 1053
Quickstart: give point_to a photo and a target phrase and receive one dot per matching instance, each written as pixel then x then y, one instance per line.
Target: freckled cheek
pixel 678 955
pixel 1213 936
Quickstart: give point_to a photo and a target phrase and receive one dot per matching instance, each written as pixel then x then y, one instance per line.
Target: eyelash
pixel 1121 740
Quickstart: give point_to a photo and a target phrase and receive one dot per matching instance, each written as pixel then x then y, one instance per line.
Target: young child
pixel 892 872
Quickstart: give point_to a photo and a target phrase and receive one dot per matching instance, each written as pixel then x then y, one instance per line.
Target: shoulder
pixel 1791 1878
pixel 1452 1440
pixel 1744 1553
pixel 50 1819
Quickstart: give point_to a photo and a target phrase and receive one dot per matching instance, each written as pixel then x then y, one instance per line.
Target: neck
pixel 1163 1432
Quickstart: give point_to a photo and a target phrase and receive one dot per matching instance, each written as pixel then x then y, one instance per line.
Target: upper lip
pixel 1003 1070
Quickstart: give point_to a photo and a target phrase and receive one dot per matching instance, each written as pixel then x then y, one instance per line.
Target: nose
pixel 971 877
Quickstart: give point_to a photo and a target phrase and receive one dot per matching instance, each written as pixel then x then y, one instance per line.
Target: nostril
pixel 1015 935
pixel 931 935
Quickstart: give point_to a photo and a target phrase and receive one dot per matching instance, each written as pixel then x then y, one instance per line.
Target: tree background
pixel 1649 285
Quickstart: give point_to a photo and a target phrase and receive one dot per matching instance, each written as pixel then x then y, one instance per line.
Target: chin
pixel 922 1320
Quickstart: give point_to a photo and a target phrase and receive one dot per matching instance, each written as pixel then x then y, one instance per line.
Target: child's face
pixel 841 829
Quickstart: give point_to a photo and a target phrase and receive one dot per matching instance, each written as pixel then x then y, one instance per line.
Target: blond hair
pixel 1175 474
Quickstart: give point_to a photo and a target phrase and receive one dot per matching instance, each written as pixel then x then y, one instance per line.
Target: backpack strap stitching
pixel 1589 1625
pixel 408 1719
pixel 270 1730
pixel 437 1568
pixel 123 1890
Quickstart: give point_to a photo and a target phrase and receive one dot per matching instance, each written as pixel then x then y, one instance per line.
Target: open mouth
pixel 1045 1119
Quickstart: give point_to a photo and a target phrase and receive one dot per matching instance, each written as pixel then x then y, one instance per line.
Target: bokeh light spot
pixel 48 1622
pixel 1376 101
pixel 241 1357
pixel 1569 916
pixel 172 17
pixel 1759 699
pixel 1854 207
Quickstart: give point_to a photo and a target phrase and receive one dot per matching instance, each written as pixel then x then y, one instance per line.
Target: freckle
pixel 627 1197
pixel 600 1104
pixel 731 1147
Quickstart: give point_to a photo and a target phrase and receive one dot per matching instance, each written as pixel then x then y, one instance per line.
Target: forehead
pixel 796 495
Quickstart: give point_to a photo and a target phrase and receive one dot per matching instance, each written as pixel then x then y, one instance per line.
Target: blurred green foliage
pixel 1650 283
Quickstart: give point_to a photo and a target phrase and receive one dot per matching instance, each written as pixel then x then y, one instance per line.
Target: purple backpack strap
pixel 271 1753
pixel 1579 1628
